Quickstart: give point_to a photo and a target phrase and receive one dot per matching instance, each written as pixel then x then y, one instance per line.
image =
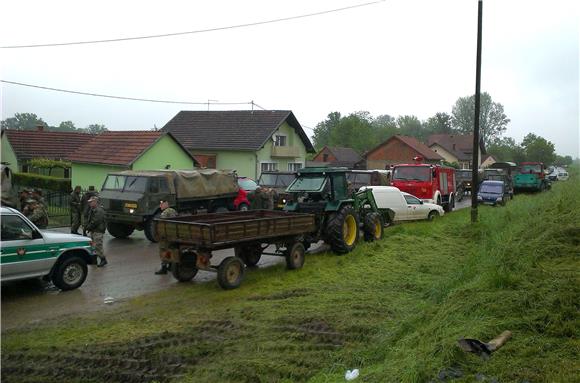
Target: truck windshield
pixel 125 183
pixel 276 180
pixel 412 173
pixel 531 169
pixel 308 183
pixel 490 188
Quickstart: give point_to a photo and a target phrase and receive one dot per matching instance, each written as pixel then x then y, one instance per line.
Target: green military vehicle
pixel 131 198
pixel 339 212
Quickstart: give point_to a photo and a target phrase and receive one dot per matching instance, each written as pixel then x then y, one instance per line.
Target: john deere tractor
pixel 339 211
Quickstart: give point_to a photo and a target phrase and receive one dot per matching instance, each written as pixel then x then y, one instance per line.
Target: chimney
pixel 40 128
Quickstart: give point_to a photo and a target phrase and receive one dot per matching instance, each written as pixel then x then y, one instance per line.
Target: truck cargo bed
pixel 219 230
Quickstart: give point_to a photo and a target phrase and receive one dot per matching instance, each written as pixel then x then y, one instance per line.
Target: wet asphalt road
pixel 130 273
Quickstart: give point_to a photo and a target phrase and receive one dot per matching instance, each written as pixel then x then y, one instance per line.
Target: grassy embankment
pixel 394 309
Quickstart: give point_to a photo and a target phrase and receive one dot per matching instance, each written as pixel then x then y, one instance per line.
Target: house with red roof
pixel 456 148
pixel 336 156
pixel 399 150
pixel 21 146
pixel 114 151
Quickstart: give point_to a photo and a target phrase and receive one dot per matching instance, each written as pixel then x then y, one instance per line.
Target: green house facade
pixel 131 150
pixel 246 141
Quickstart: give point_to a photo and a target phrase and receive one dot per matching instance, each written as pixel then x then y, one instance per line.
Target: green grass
pixel 394 308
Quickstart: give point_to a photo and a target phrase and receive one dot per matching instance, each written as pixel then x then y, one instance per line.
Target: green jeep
pixel 27 252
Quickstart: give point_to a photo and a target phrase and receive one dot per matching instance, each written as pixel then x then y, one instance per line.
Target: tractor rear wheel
pixel 342 230
pixel 373 227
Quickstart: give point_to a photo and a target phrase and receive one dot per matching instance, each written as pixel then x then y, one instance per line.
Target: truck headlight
pixel 283 200
pixel 131 211
pixel 498 199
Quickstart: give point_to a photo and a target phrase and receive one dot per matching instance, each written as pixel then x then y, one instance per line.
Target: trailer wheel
pixel 342 230
pixel 373 227
pixel 120 230
pixel 183 272
pixel 221 209
pixel 250 254
pixel 295 256
pixel 230 273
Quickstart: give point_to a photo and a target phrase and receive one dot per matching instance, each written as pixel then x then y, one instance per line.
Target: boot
pixel 103 262
pixel 162 270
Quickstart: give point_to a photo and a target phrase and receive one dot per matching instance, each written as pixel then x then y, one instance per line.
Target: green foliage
pixel 42 182
pixel 538 149
pixel 492 122
pixel 30 121
pixel 45 163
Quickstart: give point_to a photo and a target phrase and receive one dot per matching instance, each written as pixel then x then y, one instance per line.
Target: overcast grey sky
pixel 396 57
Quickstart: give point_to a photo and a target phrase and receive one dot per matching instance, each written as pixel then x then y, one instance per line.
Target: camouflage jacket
pixel 96 221
pixel 75 202
pixel 39 217
pixel 168 213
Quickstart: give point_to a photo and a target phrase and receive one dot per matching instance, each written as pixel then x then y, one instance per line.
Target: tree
pixel 96 129
pixel 23 121
pixel 66 126
pixel 410 126
pixel 563 160
pixel 492 121
pixel 322 130
pixel 538 149
pixel 506 149
pixel 440 123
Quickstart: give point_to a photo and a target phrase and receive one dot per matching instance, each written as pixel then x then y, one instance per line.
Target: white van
pixel 407 207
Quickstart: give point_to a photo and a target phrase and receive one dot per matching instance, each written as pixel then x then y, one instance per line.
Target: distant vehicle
pixel 563 176
pixel 28 252
pixel 376 177
pixel 503 171
pixel 531 176
pixel 430 183
pixel 131 198
pixel 278 181
pixel 492 193
pixel 407 207
pixel 463 179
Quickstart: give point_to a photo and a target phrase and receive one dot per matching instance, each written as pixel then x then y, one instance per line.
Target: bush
pixel 42 182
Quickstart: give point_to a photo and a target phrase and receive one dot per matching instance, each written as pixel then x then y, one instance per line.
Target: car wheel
pixel 70 273
pixel 432 215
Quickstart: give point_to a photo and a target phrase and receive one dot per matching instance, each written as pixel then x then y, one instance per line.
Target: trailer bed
pixel 221 230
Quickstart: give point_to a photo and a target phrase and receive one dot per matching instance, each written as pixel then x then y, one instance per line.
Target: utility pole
pixel 475 157
pixel 209 102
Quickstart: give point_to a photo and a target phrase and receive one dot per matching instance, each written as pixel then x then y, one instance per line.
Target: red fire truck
pixel 428 182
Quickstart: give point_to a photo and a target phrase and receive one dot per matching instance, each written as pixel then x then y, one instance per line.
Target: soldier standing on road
pixel 85 206
pixel 166 212
pixel 36 213
pixel 96 227
pixel 75 210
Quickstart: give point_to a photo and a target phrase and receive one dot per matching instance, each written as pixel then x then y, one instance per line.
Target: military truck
pixel 278 181
pixel 131 198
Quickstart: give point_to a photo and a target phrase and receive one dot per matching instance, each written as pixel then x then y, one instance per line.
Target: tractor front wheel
pixel 342 230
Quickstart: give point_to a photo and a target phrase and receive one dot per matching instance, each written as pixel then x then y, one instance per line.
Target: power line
pixel 196 31
pixel 130 98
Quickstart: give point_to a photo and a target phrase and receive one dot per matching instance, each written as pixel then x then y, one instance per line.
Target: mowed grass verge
pixel 394 309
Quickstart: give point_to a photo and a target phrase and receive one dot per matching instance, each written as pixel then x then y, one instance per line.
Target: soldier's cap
pixel 162 201
pixel 93 198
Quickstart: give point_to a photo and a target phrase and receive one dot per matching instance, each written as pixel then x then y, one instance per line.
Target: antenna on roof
pixel 252 106
pixel 209 101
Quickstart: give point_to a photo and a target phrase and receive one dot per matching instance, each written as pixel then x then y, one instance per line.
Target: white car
pixel 562 175
pixel 407 207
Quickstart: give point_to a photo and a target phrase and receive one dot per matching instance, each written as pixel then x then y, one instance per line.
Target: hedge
pixel 42 182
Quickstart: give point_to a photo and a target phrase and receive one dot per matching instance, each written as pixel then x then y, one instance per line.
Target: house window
pixel 294 166
pixel 280 140
pixel 269 166
pixel 324 157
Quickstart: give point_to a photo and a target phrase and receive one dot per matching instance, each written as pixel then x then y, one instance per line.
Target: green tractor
pixel 340 213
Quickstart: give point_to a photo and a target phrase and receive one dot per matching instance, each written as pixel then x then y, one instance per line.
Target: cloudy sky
pixel 396 57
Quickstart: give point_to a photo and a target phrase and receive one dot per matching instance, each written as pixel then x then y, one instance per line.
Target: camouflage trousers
pixel 98 240
pixel 75 221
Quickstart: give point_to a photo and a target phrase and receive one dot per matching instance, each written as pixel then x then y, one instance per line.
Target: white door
pixel 415 208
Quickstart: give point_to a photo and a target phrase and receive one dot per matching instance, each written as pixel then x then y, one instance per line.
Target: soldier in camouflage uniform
pixel 75 210
pixel 85 209
pixel 36 212
pixel 166 212
pixel 96 227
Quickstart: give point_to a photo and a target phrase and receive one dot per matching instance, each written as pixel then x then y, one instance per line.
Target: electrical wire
pixel 129 98
pixel 196 31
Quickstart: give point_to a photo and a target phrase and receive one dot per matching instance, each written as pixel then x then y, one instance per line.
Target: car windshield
pixel 276 180
pixel 491 188
pixel 531 169
pixel 308 183
pixel 412 173
pixel 247 184
pixel 463 174
pixel 125 183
